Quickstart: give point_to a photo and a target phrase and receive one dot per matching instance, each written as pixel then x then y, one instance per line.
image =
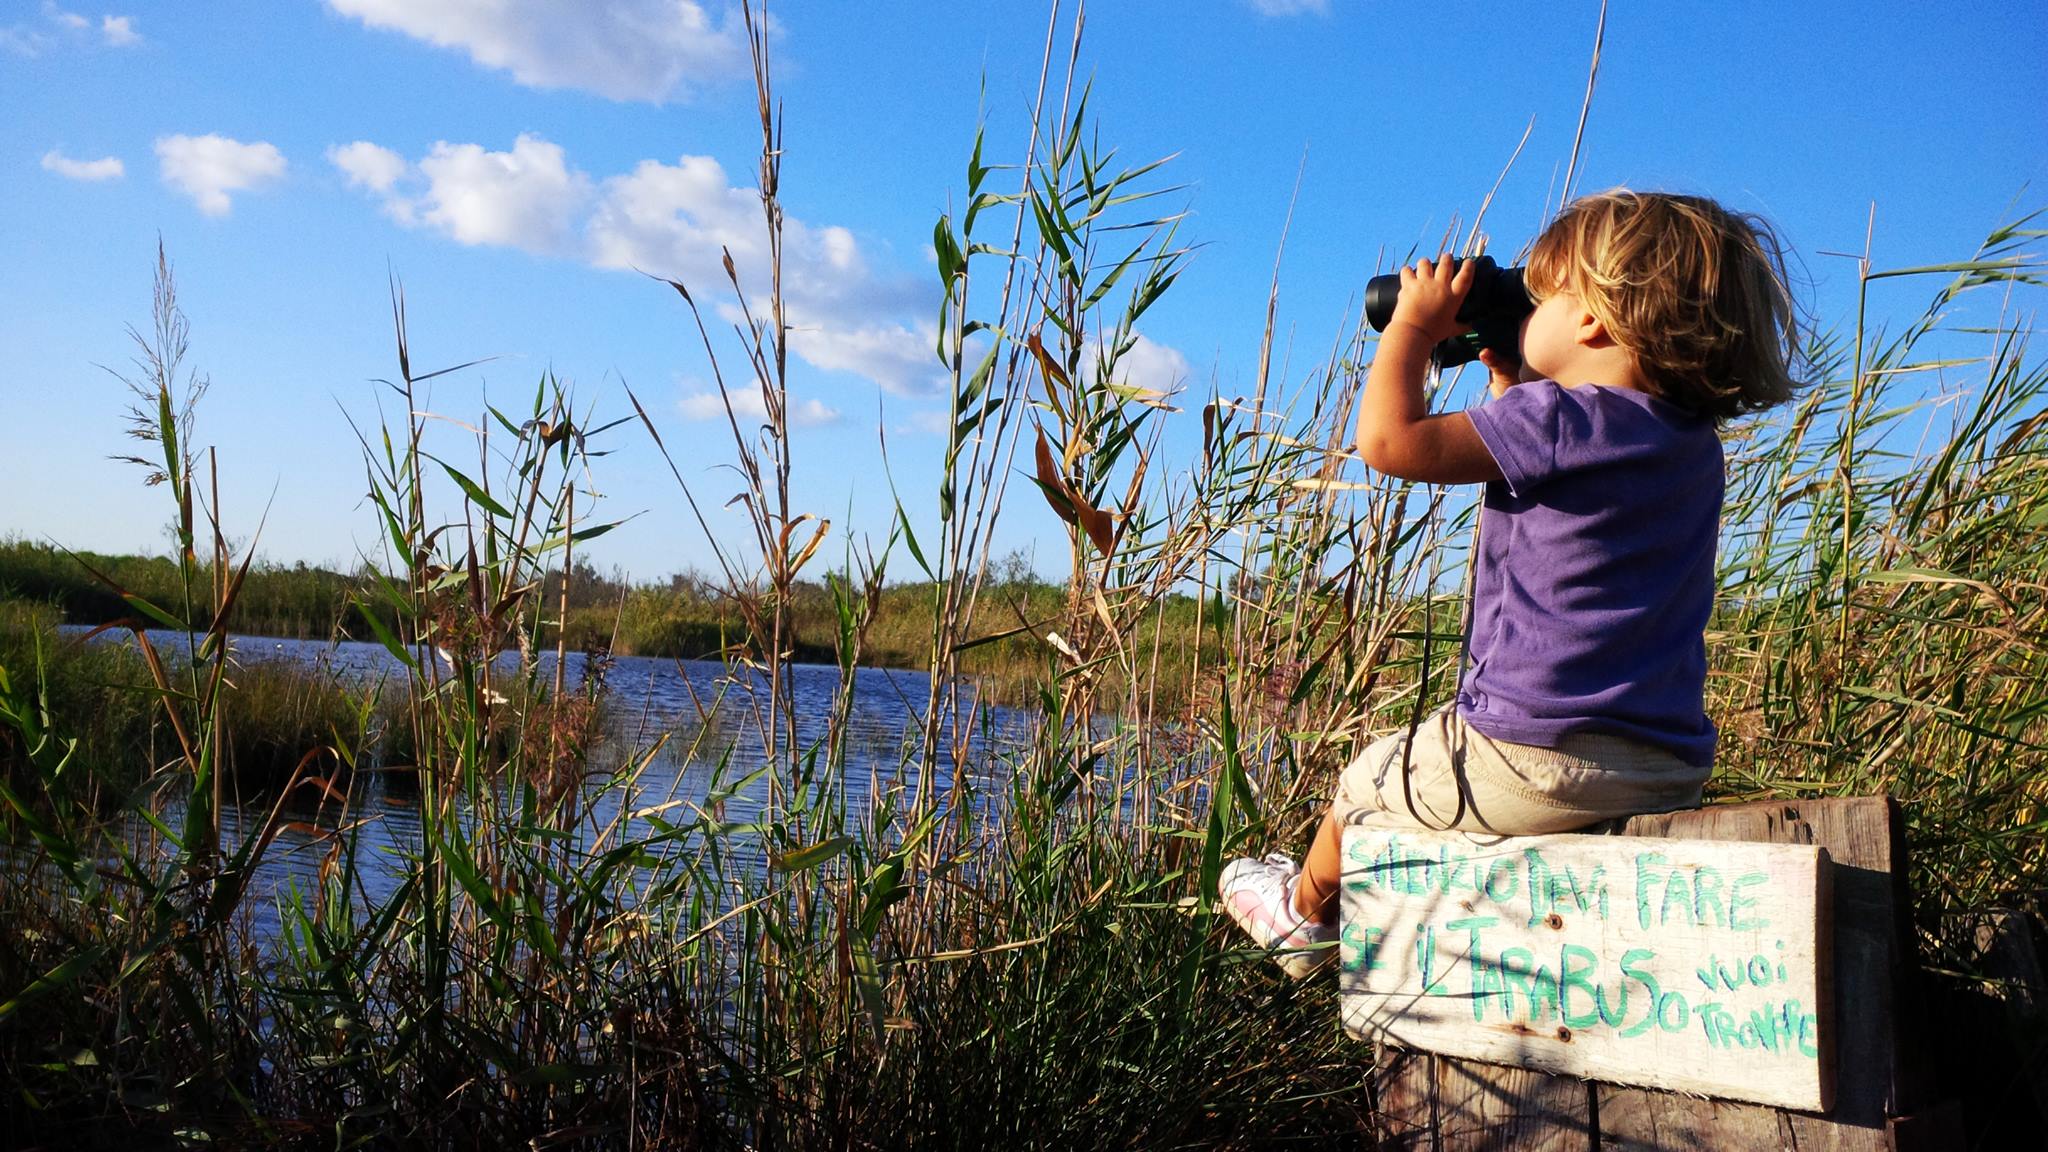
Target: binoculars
pixel 1493 308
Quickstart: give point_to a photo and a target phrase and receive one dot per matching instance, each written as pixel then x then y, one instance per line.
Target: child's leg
pixel 1315 894
pixel 1360 795
pixel 1454 777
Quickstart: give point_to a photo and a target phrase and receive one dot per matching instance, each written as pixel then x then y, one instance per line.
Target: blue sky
pixel 511 161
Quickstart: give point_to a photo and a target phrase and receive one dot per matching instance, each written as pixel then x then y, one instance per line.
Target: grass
pixel 999 947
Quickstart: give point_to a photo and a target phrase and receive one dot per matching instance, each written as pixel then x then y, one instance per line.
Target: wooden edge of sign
pixel 1824 973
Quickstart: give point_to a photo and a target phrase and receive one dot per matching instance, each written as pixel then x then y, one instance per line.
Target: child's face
pixel 1550 337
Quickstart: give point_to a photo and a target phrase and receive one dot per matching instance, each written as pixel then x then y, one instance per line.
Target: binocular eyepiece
pixel 1493 308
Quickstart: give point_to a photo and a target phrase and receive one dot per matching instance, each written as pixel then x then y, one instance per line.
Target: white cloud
pixel 895 356
pixel 368 166
pixel 59 26
pixel 23 41
pixel 1146 364
pixel 676 220
pixel 1151 365
pixel 673 220
pixel 747 405
pixel 626 49
pixel 680 220
pixel 1290 7
pixel 207 168
pixel 105 168
pixel 526 198
pixel 812 414
pixel 119 31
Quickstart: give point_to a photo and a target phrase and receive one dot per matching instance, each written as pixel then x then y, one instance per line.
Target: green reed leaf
pixel 476 493
pixel 812 855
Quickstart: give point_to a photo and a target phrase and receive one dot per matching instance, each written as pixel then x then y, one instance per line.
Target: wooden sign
pixel 1688 965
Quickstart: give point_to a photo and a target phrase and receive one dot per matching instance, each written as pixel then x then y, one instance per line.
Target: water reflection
pixel 706 711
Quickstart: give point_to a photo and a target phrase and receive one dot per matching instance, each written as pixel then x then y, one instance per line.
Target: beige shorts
pixel 1459 777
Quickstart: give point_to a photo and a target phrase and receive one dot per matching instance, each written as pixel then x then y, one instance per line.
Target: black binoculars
pixel 1493 308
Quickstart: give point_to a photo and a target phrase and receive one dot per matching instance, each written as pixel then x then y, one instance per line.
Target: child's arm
pixel 1396 433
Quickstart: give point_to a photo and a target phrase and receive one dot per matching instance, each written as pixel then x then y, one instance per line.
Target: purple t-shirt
pixel 1595 572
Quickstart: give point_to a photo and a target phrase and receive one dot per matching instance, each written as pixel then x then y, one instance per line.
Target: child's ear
pixel 1590 332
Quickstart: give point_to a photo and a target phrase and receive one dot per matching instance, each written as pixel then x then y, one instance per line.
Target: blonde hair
pixel 1696 293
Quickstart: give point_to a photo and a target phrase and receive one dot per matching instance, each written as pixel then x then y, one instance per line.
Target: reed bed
pixel 1002 944
pixel 299 601
pixel 103 697
pixel 685 616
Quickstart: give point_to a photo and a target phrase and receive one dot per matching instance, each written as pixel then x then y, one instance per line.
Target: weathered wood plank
pixel 1406 1083
pixel 1686 965
pixel 1482 1108
pixel 1879 971
pixel 1635 1120
pixel 1860 836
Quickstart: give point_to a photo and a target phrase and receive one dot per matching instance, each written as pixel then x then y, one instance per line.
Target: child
pixel 1657 317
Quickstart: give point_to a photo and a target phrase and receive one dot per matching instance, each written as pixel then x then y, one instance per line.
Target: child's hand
pixel 1503 370
pixel 1430 297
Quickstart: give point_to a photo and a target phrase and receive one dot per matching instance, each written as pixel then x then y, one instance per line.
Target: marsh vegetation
pixel 985 942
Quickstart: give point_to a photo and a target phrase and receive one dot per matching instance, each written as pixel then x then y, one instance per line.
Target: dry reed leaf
pixel 804 556
pixel 1313 445
pixel 1100 526
pixel 1131 493
pixel 817 538
pixel 1936 576
pixel 1149 397
pixel 1318 485
pixel 1054 374
pixel 1102 611
pixel 1050 480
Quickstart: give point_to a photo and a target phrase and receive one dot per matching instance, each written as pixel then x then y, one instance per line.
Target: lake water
pixel 707 711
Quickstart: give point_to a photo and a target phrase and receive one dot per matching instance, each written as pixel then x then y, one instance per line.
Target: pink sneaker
pixel 1259 895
